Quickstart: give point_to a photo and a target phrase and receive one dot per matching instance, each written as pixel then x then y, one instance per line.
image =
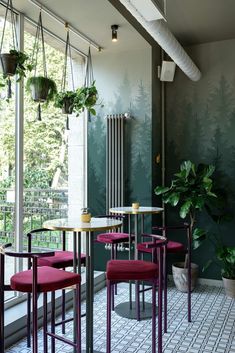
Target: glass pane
pixel 7 156
pixel 45 150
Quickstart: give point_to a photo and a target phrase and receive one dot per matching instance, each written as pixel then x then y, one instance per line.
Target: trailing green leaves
pixel 79 100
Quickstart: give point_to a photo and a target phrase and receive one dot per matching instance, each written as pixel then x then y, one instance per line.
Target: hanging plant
pixel 88 94
pixel 86 98
pixel 83 98
pixel 65 99
pixel 77 101
pixel 41 88
pixel 15 62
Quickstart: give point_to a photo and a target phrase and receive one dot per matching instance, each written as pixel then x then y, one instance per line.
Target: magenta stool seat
pixel 48 279
pixel 172 247
pixel 61 259
pixel 38 280
pixel 113 238
pixel 138 271
pixel 127 270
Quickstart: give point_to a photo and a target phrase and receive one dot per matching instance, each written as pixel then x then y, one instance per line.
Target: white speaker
pixel 167 71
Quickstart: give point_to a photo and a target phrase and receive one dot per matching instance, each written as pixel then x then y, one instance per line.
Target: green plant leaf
pixel 207 265
pixel 185 208
pixel 161 190
pixel 199 233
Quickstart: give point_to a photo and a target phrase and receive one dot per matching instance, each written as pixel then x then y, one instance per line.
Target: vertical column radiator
pixel 115 173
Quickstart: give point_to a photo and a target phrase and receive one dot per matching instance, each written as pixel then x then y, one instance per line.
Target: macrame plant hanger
pixel 89 77
pixel 36 47
pixel 67 55
pixel 15 46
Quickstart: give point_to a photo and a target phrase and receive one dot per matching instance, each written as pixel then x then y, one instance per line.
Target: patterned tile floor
pixel 212 329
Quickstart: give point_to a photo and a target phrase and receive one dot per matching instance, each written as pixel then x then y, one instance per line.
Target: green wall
pixel 201 127
pixel 124 82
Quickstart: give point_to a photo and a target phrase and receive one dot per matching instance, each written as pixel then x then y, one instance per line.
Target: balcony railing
pixel 39 206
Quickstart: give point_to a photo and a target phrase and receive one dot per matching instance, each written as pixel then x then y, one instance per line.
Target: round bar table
pixel 77 227
pixel 128 309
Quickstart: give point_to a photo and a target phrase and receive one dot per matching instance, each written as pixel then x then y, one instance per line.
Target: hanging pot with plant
pixel 15 62
pixel 41 88
pixel 65 99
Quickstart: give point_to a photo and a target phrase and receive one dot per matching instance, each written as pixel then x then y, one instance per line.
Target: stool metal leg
pixel 35 307
pixel 112 258
pixel 165 287
pixel 189 234
pixel 29 320
pixel 45 345
pixel 115 257
pixel 52 321
pixel 109 293
pixel 78 318
pixel 137 300
pixel 63 291
pixel 154 318
pixel 63 310
pixel 160 301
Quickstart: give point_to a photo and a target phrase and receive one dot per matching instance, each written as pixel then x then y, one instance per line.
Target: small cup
pixel 85 217
pixel 135 205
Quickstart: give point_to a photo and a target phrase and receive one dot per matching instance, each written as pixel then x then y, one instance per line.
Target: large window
pixel 7 155
pixel 44 187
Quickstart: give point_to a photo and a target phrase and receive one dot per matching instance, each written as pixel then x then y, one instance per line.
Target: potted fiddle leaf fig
pixel 190 190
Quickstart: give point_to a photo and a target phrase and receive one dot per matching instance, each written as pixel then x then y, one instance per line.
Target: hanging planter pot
pixel 14 62
pixel 65 99
pixel 41 88
pixel 67 105
pixel 9 64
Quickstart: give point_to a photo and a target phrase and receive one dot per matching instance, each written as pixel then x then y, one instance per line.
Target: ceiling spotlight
pixel 114 32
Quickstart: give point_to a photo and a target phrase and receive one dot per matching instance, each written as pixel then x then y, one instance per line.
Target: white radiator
pixel 115 171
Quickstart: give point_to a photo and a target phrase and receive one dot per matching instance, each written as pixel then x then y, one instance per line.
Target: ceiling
pixel 93 18
pixel 191 21
pixel 201 21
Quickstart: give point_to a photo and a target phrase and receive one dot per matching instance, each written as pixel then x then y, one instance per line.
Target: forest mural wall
pixel 201 127
pixel 124 84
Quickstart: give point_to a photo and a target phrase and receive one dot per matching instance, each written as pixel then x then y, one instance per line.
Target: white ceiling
pixel 92 17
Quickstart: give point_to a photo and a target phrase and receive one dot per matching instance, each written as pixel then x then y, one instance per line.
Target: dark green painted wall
pixel 125 83
pixel 201 127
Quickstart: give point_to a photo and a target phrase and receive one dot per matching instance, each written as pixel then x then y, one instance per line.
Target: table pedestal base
pixel 124 310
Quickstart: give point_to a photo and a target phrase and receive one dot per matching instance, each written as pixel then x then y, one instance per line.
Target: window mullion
pixel 19 150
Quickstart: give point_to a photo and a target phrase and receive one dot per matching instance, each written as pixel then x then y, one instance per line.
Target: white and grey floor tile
pixel 212 329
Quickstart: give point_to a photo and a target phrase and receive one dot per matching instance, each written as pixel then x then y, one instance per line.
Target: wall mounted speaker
pixel 167 71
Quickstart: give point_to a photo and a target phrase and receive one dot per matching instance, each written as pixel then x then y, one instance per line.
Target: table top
pixel 96 224
pixel 140 210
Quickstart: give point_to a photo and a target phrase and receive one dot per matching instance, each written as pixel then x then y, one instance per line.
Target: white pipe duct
pixel 163 36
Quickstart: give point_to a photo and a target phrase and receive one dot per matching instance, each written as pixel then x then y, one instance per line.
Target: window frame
pixel 19 151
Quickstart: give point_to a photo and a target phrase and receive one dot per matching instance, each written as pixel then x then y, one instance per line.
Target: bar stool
pixel 114 238
pixel 61 260
pixel 172 247
pixel 136 270
pixel 40 280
